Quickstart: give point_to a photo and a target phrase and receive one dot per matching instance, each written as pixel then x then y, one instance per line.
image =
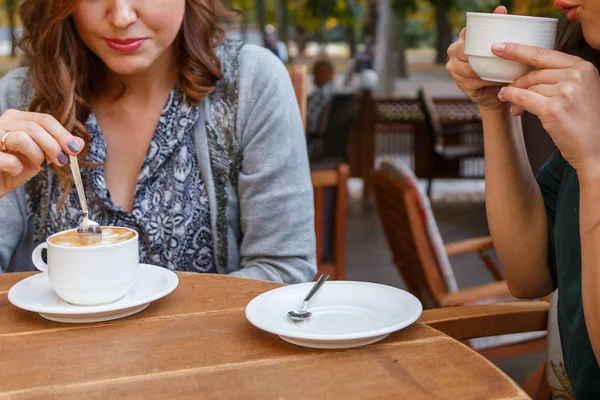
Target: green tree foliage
pixel 449 18
pixel 540 8
pixel 313 14
pixel 404 7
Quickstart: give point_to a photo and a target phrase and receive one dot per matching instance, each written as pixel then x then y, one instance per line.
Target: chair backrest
pixel 432 119
pixel 330 184
pixel 298 76
pixel 412 233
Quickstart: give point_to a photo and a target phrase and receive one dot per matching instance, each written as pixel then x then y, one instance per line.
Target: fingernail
pixel 44 164
pixel 62 158
pixel 73 146
pixel 498 47
pixel 503 90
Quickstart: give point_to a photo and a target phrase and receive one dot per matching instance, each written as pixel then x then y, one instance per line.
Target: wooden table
pixel 196 343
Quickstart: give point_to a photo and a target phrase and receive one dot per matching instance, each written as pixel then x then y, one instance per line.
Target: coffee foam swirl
pixel 110 235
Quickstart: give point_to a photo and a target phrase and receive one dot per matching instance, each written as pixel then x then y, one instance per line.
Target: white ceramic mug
pixel 484 29
pixel 90 275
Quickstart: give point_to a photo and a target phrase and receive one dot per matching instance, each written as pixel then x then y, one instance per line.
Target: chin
pixel 127 67
pixel 592 36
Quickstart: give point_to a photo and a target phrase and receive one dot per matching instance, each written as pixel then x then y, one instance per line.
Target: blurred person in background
pixel 273 43
pixel 323 78
pixel 323 75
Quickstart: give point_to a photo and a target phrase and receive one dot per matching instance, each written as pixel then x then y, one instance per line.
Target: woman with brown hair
pixel 546 229
pixel 194 141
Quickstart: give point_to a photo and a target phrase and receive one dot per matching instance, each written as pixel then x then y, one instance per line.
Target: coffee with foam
pixel 90 274
pixel 110 235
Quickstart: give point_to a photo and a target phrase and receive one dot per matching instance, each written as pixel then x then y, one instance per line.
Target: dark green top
pixel 560 188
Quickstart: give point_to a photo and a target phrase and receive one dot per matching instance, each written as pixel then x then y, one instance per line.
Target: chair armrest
pixel 476 293
pixel 469 245
pixel 463 323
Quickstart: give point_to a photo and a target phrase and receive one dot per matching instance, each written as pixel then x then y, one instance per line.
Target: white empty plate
pixel 345 313
pixel 36 294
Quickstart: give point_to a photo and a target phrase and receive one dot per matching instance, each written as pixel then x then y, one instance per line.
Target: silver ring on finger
pixel 3 141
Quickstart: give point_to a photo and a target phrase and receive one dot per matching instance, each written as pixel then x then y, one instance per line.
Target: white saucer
pixel 35 294
pixel 345 314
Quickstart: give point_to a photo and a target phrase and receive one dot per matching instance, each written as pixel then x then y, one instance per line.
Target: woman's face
pixel 587 12
pixel 129 36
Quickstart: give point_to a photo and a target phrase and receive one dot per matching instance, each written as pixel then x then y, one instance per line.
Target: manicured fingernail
pixel 498 47
pixel 502 91
pixel 62 158
pixel 44 164
pixel 73 146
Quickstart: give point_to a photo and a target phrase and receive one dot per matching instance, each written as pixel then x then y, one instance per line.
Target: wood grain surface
pixel 197 344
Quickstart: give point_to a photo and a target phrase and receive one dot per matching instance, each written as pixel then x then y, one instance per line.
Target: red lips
pixel 571 9
pixel 126 45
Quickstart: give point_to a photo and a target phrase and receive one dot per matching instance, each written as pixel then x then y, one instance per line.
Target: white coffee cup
pixel 90 275
pixel 484 29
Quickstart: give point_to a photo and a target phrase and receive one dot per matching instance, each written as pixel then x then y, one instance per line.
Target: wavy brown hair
pixel 66 74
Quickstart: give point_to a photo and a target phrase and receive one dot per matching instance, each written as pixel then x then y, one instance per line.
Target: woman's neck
pixel 159 78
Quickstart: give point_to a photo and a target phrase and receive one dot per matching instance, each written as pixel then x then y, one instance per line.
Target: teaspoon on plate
pixel 303 314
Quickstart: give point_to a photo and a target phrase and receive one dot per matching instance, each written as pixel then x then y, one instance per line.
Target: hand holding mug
pixel 564 92
pixel 481 92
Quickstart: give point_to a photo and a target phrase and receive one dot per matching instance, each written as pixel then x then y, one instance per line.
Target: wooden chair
pixel 422 258
pixel 298 76
pixel 465 323
pixel 440 148
pixel 330 183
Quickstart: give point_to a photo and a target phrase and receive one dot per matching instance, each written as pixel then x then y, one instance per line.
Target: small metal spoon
pixel 303 314
pixel 89 231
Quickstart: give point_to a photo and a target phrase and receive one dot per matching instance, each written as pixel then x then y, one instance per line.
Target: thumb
pixel 500 10
pixel 517 111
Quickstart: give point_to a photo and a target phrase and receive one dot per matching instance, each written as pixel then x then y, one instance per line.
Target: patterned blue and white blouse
pixel 170 208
